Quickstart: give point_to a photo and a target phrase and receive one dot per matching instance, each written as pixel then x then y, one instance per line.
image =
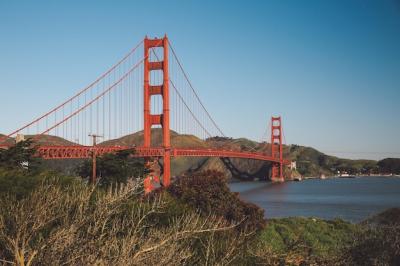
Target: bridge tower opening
pixel 162 90
pixel 276 149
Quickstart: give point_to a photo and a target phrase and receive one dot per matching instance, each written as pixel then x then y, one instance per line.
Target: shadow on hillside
pixel 244 175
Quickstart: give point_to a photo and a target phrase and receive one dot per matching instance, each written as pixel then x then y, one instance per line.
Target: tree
pixel 322 160
pixel 19 156
pixel 389 166
pixel 114 167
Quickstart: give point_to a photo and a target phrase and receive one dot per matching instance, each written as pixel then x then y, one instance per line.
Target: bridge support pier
pixel 150 90
pixel 277 172
pixel 277 149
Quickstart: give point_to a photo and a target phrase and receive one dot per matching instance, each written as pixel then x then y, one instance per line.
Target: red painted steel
pixel 70 152
pixel 276 149
pixel 156 89
pixel 224 153
pixel 74 152
pixel 165 122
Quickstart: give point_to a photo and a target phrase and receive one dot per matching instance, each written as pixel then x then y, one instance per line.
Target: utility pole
pixel 94 153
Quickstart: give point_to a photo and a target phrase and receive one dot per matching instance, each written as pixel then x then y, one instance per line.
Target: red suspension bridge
pixel 140 92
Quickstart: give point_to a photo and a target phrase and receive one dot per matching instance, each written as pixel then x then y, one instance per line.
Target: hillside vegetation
pixel 47 218
pixel 310 162
pixel 50 219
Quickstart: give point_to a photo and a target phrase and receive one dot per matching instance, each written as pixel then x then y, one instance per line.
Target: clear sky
pixel 330 68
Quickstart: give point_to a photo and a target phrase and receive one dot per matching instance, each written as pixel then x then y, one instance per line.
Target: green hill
pixel 310 162
pixel 390 166
pixel 178 165
pixel 177 140
pixel 41 140
pixel 50 140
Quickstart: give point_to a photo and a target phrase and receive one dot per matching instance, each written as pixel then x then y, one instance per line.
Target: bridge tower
pixel 157 89
pixel 276 149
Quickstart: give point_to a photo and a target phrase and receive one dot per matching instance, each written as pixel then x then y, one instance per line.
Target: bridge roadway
pixel 71 152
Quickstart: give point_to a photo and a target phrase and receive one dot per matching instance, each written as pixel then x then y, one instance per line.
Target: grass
pixel 307 236
pixel 311 241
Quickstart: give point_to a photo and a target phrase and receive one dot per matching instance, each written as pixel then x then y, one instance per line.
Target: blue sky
pixel 330 68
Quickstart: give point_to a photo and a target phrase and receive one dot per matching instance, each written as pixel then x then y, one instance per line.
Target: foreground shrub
pixel 378 244
pixel 387 218
pixel 299 240
pixel 19 156
pixel 80 225
pixel 375 247
pixel 114 168
pixel 208 192
pixel 318 237
pixel 21 183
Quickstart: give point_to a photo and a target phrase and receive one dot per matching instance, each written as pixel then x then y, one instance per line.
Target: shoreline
pixel 236 180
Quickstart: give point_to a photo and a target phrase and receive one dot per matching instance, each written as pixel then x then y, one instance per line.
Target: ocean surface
pixel 352 199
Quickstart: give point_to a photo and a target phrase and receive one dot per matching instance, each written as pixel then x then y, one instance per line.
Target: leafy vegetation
pixel 300 239
pixel 80 225
pixel 49 218
pixel 51 221
pixel 209 193
pixel 374 246
pixel 20 183
pixel 311 162
pixel 19 157
pixel 114 167
pixel 389 166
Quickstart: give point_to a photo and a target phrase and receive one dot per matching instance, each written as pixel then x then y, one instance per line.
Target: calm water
pixel 352 199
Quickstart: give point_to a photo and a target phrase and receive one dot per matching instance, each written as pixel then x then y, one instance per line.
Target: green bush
pixel 209 193
pixel 374 246
pixel 114 168
pixel 308 239
pixel 389 166
pixel 19 157
pixel 378 243
pixel 20 183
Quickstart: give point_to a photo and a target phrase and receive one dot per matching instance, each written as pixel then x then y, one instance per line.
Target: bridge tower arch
pixel 157 89
pixel 277 149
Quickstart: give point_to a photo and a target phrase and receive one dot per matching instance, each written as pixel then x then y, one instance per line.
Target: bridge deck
pixel 71 152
